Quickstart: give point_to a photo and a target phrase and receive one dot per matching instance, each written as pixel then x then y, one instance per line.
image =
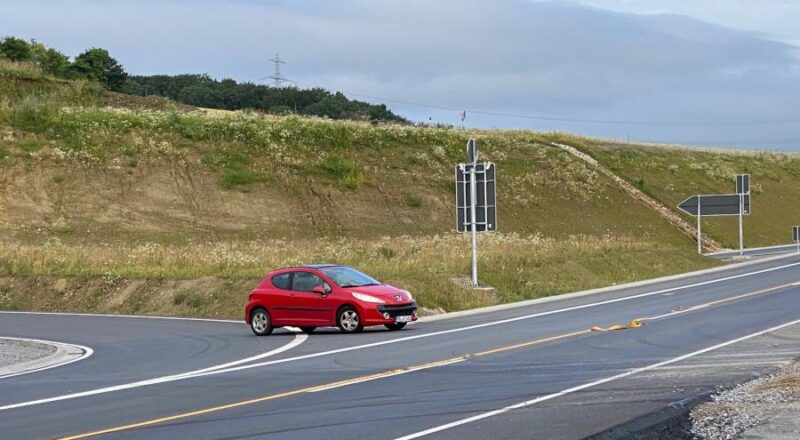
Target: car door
pixel 279 298
pixel 307 306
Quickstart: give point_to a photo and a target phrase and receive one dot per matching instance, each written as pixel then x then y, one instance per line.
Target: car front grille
pixel 398 310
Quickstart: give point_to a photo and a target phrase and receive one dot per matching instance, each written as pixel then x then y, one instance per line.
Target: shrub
pixel 343 171
pixel 33 114
pixel 412 200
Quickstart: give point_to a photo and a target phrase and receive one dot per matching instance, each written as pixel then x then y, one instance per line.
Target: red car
pixel 326 295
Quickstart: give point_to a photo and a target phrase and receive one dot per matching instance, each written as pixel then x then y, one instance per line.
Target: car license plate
pixel 402 319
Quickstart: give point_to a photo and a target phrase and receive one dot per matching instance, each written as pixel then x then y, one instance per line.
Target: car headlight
pixel 367 298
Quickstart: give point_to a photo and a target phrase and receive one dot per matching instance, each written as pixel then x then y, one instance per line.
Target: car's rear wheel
pixel 308 330
pixel 395 326
pixel 348 320
pixel 260 322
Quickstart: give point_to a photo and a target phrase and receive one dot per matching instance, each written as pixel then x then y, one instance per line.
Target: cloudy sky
pixel 713 72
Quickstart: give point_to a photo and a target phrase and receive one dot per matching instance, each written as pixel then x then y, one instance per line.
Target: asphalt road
pixel 530 371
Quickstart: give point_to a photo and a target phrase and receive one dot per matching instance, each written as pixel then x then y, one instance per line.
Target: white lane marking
pixel 299 338
pixel 398 340
pixel 86 353
pixel 590 384
pixel 604 290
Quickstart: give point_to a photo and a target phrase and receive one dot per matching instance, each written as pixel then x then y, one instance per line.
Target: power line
pixel 581 120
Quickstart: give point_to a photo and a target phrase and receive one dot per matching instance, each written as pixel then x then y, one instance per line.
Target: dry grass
pixel 520 267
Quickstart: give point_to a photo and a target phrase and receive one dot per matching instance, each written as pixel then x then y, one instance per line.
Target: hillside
pixel 127 204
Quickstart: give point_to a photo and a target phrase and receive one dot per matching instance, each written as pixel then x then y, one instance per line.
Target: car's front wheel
pixel 260 322
pixel 348 320
pixel 395 326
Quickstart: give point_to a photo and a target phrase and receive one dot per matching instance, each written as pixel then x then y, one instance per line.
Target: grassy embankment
pixel 671 174
pixel 149 208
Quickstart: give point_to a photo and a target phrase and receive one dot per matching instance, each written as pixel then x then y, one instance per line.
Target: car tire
pixel 307 330
pixel 260 322
pixel 348 320
pixel 396 326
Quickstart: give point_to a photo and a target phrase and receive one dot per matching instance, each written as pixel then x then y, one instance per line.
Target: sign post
pixel 699 226
pixel 472 155
pixel 476 206
pixel 742 189
pixel 715 205
pixel 796 237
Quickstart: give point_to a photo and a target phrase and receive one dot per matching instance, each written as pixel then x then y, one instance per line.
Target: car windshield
pixel 348 277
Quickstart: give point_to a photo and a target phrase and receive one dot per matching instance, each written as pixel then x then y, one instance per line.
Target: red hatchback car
pixel 326 295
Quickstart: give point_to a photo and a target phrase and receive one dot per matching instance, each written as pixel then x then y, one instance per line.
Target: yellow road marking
pixel 318 388
pixel 389 373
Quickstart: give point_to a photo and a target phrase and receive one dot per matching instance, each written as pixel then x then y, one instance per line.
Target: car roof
pixel 320 266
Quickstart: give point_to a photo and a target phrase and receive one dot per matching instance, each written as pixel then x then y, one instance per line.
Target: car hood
pixel 390 294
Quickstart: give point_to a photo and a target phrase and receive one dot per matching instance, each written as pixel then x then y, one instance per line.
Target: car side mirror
pixel 320 290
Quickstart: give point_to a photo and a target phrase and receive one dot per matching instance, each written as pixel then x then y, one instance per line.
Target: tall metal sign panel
pixel 486 197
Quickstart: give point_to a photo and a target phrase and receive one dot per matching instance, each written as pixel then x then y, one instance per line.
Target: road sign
pixel 742 184
pixel 472 151
pixel 485 200
pixel 715 205
pixel 796 234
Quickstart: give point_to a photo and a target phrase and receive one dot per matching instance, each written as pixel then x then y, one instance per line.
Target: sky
pixel 697 72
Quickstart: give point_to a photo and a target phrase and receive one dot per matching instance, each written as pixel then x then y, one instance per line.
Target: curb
pixel 64 354
pixel 607 289
pixel 764 248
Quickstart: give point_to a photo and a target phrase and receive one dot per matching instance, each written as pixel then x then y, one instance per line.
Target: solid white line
pixel 601 290
pixel 86 353
pixel 381 343
pixel 299 338
pixel 589 385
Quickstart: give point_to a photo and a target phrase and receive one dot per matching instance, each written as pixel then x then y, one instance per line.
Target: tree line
pixel 199 90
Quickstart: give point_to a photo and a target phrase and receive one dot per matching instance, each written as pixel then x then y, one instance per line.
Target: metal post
pixel 741 228
pixel 699 227
pixel 473 189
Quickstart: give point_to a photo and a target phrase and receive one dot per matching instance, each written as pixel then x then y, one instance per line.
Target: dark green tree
pixel 97 65
pixel 16 49
pixel 50 60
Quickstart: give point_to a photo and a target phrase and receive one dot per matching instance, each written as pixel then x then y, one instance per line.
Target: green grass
pixel 673 174
pixel 343 171
pixel 236 178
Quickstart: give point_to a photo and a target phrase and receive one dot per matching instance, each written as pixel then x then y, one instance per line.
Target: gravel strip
pixel 730 414
pixel 14 351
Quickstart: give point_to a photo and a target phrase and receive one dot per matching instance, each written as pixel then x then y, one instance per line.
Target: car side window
pixel 306 281
pixel 281 281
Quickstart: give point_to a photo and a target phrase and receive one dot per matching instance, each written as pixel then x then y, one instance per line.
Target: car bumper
pixel 387 314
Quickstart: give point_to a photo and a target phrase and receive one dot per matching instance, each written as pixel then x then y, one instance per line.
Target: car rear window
pixel 281 281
